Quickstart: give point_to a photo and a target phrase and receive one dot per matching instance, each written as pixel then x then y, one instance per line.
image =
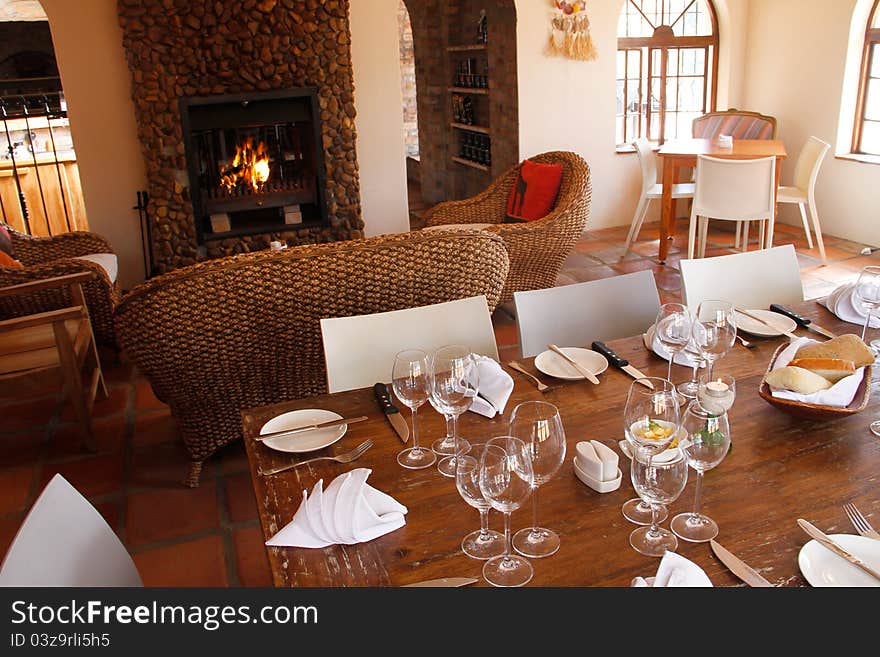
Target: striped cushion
pixel 736 125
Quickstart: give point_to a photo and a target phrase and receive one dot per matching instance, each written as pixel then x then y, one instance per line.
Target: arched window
pixel 667 64
pixel 866 132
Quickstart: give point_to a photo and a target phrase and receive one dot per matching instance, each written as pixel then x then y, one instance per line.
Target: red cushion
pixel 6 241
pixel 534 193
pixel 7 260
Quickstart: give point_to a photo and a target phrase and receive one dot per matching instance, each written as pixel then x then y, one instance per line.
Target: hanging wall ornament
pixel 570 31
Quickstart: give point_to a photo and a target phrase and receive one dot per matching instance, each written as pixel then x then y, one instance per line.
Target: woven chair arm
pixel 487 207
pixel 53 269
pixel 35 250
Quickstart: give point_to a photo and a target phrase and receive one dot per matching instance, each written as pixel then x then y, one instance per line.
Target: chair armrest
pixel 60 315
pixel 46 284
pixel 487 207
pixel 35 250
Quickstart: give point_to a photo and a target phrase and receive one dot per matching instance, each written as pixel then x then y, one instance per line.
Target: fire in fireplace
pixel 255 162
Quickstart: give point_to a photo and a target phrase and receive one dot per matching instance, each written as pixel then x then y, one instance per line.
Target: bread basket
pixel 817 411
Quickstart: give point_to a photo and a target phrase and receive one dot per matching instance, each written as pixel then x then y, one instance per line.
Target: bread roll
pixel 833 369
pixel 845 347
pixel 797 379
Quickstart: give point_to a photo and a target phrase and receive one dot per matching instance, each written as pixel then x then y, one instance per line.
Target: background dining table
pixel 677 154
pixel 780 468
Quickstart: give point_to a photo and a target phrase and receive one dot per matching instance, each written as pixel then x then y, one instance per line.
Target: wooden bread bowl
pixel 817 411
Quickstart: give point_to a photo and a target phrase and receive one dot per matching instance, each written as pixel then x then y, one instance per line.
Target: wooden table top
pixel 780 468
pixel 742 149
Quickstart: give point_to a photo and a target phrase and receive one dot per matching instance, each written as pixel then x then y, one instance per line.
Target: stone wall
pixel 181 48
pixel 408 82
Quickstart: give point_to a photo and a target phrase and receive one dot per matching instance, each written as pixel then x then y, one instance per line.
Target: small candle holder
pixel 717 396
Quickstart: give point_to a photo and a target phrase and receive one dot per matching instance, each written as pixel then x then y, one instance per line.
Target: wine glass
pixel 658 480
pixel 715 330
pixel 651 420
pixel 409 378
pixel 690 388
pixel 539 426
pixel 673 329
pixel 868 292
pixel 483 543
pixel 506 481
pixel 453 386
pixel 705 444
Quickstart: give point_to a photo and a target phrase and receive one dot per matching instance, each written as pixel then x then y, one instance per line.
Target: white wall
pixel 381 147
pixel 97 86
pixel 797 75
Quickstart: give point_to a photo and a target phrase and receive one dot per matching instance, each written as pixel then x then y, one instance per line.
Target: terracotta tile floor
pixel 211 535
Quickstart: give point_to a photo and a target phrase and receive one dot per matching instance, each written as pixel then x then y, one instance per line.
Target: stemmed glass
pixel 453 386
pixel 506 481
pixel 483 543
pixel 650 422
pixel 658 480
pixel 673 329
pixel 868 292
pixel 705 444
pixel 690 388
pixel 714 330
pixel 539 426
pixel 409 378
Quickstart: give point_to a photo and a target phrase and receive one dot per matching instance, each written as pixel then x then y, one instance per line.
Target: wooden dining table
pixel 678 154
pixel 779 468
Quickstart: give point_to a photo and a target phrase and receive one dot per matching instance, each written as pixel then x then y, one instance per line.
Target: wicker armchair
pixel 49 257
pixel 243 331
pixel 537 249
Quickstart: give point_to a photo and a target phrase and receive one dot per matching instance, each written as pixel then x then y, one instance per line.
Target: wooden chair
pixel 57 343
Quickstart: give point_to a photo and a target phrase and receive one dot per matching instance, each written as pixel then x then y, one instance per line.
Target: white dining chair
pixel 754 279
pixel 64 541
pixel 651 189
pixel 733 190
pixel 359 350
pixel 575 315
pixel 803 191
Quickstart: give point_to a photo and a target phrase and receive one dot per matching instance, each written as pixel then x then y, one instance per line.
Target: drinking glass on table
pixel 539 426
pixel 506 481
pixel 705 443
pixel 659 480
pixel 482 543
pixel 868 293
pixel 409 378
pixel 673 329
pixel 453 385
pixel 690 388
pixel 714 330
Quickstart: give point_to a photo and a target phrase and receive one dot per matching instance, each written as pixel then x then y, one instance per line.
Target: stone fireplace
pixel 188 58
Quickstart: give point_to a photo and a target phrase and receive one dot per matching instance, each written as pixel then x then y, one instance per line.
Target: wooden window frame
pixel 872 40
pixel 663 40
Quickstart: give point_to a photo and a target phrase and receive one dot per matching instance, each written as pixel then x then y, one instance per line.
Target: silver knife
pixel 383 396
pixel 800 320
pixel 737 566
pixel 446 581
pixel 311 427
pixel 821 538
pixel 621 363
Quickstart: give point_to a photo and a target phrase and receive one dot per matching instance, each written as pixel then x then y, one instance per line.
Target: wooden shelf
pixel 471 128
pixel 470 163
pixel 469 90
pixel 466 47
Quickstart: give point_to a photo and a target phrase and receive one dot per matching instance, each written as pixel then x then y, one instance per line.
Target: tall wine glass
pixel 705 444
pixel 673 329
pixel 658 480
pixel 483 543
pixel 868 292
pixel 409 378
pixel 453 386
pixel 715 330
pixel 690 388
pixel 506 481
pixel 539 426
pixel 650 422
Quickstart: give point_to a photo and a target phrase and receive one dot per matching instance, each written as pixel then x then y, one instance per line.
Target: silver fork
pixel 348 457
pixel 859 521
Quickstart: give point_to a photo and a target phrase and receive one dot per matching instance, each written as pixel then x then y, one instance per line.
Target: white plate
pixel 749 325
pixel 307 441
pixel 552 364
pixel 821 567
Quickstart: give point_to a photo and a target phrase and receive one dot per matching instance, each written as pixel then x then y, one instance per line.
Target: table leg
pixel 667 207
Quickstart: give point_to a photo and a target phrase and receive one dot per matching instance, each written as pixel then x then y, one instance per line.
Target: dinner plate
pixel 749 325
pixel 821 567
pixel 307 441
pixel 552 364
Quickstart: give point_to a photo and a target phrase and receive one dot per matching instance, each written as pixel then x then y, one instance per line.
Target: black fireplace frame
pixel 199 204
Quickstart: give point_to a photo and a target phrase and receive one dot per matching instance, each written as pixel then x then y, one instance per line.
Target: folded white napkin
pixel 654 344
pixel 349 511
pixel 675 570
pixel 840 394
pixel 495 387
pixel 843 303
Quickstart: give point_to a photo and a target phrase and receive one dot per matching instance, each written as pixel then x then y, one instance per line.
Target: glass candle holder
pixel 718 394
